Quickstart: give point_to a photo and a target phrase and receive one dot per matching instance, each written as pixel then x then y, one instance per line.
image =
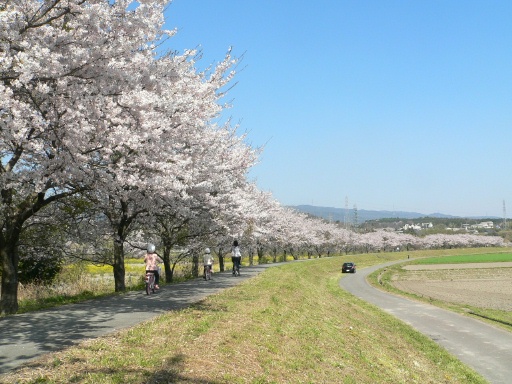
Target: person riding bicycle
pixel 208 262
pixel 236 257
pixel 151 260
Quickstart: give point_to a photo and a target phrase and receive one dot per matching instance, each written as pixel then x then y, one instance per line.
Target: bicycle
pixel 150 283
pixel 236 268
pixel 207 275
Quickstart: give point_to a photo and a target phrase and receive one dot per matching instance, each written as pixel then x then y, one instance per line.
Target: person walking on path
pixel 151 260
pixel 236 257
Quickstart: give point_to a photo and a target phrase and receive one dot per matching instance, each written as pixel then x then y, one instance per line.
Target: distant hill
pixel 342 215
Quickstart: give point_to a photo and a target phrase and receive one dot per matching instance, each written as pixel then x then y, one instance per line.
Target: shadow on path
pixel 26 336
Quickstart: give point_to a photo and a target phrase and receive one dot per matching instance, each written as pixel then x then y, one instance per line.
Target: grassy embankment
pixel 290 324
pixel 78 282
pixel 384 279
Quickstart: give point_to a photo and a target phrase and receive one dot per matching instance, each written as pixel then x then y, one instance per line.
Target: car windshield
pixel 348 264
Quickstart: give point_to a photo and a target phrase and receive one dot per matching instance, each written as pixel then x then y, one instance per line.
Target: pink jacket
pixel 152 260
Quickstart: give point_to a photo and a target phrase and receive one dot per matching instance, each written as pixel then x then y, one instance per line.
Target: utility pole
pixel 355 216
pixel 345 213
pixel 504 216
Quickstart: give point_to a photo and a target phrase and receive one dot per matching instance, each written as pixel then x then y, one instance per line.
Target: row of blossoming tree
pixel 108 142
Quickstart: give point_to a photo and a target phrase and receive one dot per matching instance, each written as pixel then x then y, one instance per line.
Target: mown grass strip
pixel 476 258
pixel 291 324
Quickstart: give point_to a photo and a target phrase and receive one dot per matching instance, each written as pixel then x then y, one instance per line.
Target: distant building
pixel 417 227
pixel 414 227
pixel 484 225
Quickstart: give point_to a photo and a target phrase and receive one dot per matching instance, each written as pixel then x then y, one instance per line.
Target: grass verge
pixel 290 324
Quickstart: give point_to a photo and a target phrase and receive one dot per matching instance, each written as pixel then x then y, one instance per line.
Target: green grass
pixel 475 258
pixel 290 324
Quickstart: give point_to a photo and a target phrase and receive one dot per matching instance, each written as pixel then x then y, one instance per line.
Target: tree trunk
pixel 120 219
pixel 167 264
pixel 195 265
pixel 171 274
pixel 9 258
pixel 119 270
pixel 251 256
pixel 9 298
pixel 13 218
pixel 259 250
pixel 221 259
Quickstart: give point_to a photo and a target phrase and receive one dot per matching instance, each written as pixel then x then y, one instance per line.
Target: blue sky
pixel 389 105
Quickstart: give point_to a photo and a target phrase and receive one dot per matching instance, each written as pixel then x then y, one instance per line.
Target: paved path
pixel 26 336
pixel 488 350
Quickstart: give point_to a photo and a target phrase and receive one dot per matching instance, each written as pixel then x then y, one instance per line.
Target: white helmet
pixel 151 248
pixel 207 250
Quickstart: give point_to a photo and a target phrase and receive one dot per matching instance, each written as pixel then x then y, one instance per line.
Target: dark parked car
pixel 348 268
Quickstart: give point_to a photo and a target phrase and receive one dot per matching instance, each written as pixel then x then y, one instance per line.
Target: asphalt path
pixel 486 349
pixel 27 336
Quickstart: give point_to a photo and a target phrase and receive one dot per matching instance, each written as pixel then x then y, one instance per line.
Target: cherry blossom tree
pixel 113 119
pixel 90 106
pixel 251 218
pixel 206 207
pixel 171 158
pixel 63 68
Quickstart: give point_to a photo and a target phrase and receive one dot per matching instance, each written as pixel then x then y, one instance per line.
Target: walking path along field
pixel 486 349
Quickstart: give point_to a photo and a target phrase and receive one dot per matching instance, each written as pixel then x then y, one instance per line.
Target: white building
pixel 484 225
pixel 415 227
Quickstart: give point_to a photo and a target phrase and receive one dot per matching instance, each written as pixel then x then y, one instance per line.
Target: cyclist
pixel 208 262
pixel 236 257
pixel 151 260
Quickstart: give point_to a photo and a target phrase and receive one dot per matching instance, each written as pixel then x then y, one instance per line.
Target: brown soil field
pixel 483 285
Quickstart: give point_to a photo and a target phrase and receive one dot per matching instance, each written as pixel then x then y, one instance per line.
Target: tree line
pixel 108 143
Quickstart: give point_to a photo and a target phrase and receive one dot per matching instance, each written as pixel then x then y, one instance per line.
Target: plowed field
pixel 483 285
